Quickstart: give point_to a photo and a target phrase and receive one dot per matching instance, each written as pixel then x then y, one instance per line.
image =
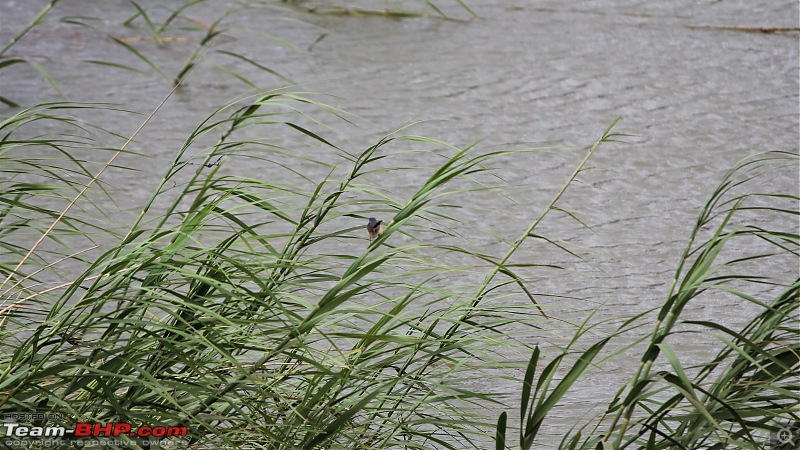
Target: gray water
pixel 695 101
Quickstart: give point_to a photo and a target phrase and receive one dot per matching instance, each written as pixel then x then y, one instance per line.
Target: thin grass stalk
pixel 212 32
pixel 175 14
pixel 142 12
pixel 478 297
pixel 30 25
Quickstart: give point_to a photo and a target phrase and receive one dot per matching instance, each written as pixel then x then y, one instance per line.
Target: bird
pixel 374 228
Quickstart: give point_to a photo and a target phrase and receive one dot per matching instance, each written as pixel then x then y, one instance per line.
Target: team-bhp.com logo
pixel 96 430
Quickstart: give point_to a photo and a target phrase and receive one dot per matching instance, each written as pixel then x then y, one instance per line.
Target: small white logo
pixel 784 435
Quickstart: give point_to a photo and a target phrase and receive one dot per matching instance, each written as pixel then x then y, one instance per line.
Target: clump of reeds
pixel 227 310
pixel 748 392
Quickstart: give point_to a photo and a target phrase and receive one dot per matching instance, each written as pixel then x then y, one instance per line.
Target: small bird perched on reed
pixel 374 228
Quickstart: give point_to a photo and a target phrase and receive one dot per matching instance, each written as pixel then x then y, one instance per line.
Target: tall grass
pixel 235 310
pixel 751 385
pixel 748 392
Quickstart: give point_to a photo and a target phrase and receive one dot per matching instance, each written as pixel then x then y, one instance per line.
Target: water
pixel 696 100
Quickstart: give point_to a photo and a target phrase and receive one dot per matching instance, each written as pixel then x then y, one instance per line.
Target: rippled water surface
pixel 695 97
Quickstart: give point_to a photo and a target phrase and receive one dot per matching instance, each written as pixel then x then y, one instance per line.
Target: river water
pixel 695 98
